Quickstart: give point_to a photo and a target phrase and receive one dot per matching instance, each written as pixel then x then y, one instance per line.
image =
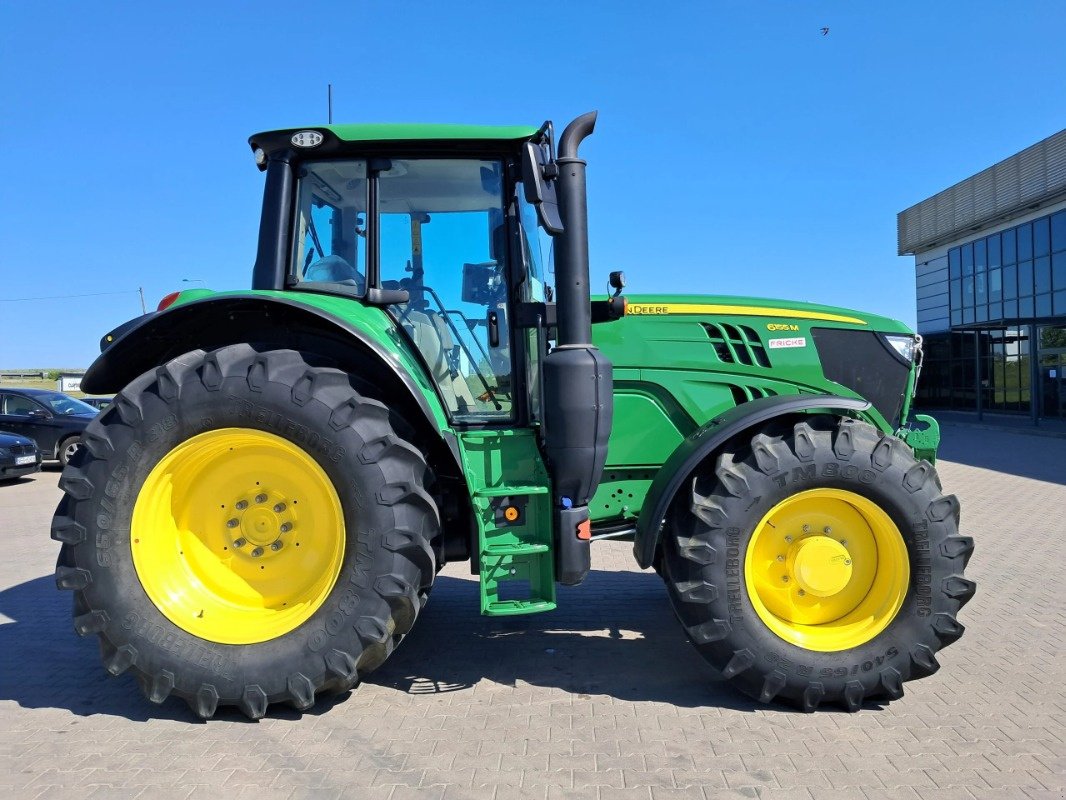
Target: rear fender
pixel 705 442
pixel 272 321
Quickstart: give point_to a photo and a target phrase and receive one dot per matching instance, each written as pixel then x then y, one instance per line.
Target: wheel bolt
pixel 257 552
pixel 827 530
pixel 275 546
pixel 286 527
pixel 232 523
pixel 802 593
pixel 784 578
pixel 239 543
pixel 788 538
pixel 241 505
pixel 260 498
pixel 806 528
pixel 847 561
pixel 844 542
pixel 780 558
pixel 279 507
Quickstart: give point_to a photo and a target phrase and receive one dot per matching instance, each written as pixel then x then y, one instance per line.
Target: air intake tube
pixel 577 377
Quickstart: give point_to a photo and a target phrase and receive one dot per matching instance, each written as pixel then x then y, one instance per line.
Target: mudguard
pixel 218 320
pixel 705 441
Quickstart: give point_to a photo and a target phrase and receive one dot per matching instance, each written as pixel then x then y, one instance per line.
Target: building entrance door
pixel 1053 384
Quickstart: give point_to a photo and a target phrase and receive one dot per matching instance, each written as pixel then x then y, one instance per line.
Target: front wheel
pixel 245 529
pixel 818 564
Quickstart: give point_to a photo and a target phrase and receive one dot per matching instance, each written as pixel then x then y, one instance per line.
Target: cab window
pixel 330 235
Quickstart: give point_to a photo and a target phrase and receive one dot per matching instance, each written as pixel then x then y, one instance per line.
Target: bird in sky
pixel 825 31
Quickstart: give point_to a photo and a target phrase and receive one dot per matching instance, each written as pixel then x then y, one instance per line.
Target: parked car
pixel 52 419
pixel 99 403
pixel 18 456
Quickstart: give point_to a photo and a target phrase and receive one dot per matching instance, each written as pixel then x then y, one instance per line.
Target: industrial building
pixel 990 269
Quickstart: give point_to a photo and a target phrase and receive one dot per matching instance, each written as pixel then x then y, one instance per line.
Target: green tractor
pixel 420 375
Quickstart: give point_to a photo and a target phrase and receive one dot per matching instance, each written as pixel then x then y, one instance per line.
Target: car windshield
pixel 61 404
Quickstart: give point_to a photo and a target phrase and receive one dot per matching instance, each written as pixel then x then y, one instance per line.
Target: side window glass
pixel 330 236
pixel 443 238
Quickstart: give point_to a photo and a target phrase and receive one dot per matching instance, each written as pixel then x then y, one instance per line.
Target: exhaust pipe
pixel 572 252
pixel 578 389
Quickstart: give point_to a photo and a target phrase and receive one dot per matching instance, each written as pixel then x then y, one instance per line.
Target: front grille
pixel 743 394
pixel 22 449
pixel 866 364
pixel 736 344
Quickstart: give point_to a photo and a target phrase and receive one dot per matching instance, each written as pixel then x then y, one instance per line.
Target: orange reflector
pixel 584 530
pixel 510 513
pixel 167 301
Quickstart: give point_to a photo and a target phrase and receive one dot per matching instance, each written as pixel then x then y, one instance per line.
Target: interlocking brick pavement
pixel 601 699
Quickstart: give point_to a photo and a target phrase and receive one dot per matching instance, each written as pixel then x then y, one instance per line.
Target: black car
pixel 18 456
pixel 99 403
pixel 52 419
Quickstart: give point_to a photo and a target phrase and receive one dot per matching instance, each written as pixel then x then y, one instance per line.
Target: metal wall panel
pixel 1033 176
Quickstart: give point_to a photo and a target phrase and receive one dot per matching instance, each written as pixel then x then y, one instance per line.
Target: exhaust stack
pixel 578 389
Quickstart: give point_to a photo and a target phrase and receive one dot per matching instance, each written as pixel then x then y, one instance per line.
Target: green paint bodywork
pixel 668 381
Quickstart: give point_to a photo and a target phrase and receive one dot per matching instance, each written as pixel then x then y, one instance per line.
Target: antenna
pixel 329 101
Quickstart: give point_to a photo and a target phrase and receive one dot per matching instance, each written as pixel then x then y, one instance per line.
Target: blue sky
pixel 738 151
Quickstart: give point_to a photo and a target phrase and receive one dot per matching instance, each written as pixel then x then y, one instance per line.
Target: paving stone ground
pixel 602 699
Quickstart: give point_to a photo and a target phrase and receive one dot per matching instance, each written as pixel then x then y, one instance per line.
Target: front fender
pixel 705 441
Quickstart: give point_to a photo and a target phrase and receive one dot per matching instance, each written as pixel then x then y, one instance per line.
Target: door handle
pixel 494 328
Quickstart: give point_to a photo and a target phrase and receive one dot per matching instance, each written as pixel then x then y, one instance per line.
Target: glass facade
pixel 986 310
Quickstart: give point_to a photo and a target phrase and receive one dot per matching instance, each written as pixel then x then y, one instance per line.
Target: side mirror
pixel 538 175
pixel 38 413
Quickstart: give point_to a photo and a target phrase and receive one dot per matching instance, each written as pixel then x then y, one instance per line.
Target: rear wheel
pixel 818 564
pixel 245 529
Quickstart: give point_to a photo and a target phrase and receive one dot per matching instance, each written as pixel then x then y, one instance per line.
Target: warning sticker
pixel 798 341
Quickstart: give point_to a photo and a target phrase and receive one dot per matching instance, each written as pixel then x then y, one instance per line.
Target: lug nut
pixel 241 505
pixel 286 527
pixel 257 552
pixel 279 507
pixel 260 498
pixel 240 543
pixel 827 530
pixel 232 523
pixel 275 546
pixel 802 593
pixel 784 578
pixel 780 558
pixel 844 542
pixel 847 561
pixel 788 538
pixel 806 528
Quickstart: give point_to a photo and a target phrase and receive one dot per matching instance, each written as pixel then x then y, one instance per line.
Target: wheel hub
pixel 820 565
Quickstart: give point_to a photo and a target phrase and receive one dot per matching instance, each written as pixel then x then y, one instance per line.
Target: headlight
pixel 4 451
pixel 903 345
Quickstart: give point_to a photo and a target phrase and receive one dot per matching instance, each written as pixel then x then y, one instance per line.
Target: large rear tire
pixel 818 564
pixel 245 529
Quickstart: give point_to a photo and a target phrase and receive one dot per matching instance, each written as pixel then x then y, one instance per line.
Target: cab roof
pixel 411 132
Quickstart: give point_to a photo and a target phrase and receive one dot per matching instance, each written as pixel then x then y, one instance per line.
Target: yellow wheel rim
pixel 237 536
pixel 827 570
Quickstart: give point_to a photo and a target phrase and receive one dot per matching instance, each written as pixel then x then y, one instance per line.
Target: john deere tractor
pixel 419 375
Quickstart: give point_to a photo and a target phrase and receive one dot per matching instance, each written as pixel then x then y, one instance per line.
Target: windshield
pixel 61 404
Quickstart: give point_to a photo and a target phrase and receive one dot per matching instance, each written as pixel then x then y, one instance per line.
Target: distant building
pixel 990 263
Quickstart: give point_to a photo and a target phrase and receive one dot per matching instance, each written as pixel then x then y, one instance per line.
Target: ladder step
pixel 503 608
pixel 514 549
pixel 512 491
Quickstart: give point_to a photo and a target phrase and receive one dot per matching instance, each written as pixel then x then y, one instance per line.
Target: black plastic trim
pixel 704 442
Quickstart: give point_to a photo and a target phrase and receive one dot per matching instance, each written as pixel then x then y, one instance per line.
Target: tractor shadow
pixel 1012 451
pixel 614 635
